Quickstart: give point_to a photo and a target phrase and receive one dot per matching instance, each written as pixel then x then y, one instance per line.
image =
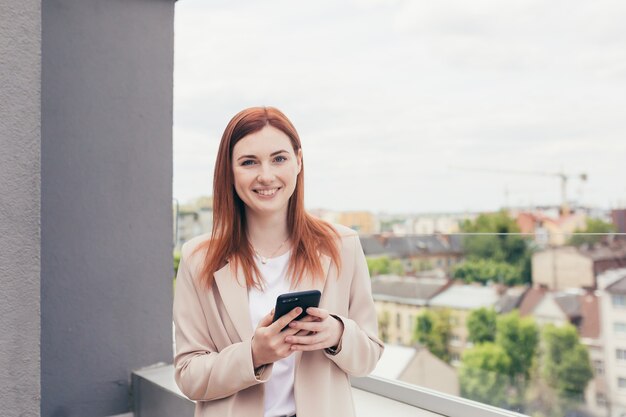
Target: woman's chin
pixel 268 208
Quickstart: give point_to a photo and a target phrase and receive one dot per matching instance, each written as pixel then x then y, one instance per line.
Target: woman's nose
pixel 266 174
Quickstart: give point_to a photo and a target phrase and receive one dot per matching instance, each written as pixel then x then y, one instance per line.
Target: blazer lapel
pixel 234 294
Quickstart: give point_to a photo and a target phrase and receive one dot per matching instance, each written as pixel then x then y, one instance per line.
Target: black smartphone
pixel 287 302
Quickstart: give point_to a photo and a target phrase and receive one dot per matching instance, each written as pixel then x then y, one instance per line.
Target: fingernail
pixel 298 310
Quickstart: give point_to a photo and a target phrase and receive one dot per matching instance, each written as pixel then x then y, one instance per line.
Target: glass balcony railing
pixel 533 323
pixel 499 323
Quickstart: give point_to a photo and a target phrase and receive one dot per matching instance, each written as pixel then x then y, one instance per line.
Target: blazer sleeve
pixel 201 372
pixel 360 348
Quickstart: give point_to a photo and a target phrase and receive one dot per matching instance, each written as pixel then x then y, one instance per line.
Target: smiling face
pixel 265 169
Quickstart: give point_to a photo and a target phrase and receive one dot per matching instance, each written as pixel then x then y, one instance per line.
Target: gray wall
pixel 20 69
pixel 106 195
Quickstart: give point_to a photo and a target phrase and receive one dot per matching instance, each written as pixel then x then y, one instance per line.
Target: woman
pixel 230 357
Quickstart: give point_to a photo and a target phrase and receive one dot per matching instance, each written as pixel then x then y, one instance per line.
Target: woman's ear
pixel 299 160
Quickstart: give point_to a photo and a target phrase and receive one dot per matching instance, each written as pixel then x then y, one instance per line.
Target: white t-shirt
pixel 279 399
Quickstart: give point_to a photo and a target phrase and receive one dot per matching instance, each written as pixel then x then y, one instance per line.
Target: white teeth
pixel 267 192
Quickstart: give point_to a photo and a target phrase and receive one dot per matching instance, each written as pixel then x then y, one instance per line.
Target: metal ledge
pixel 430 400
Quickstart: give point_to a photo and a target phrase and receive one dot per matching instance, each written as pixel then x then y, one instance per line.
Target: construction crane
pixel 561 175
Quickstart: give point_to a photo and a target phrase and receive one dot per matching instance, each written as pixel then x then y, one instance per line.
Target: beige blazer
pixel 213 359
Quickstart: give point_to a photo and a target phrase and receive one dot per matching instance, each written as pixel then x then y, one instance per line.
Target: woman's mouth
pixel 268 192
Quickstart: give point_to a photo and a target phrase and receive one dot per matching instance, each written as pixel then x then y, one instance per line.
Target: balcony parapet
pixel 156 394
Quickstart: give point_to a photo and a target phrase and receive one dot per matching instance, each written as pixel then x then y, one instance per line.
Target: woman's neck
pixel 266 233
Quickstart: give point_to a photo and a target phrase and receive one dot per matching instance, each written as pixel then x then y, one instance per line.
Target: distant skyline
pixel 392 98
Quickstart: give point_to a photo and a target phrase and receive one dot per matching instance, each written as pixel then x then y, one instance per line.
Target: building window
pixel 621 383
pixel 619 300
pixel 398 321
pixel 455 358
pixel 619 327
pixel 598 367
pixel 620 354
pixel 600 399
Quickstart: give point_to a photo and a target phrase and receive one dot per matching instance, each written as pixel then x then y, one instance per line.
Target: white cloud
pixel 388 95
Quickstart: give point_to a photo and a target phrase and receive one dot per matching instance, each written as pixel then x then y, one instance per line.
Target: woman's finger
pixel 267 319
pixel 305 340
pixel 309 318
pixel 312 326
pixel 291 330
pixel 307 348
pixel 282 322
pixel 317 312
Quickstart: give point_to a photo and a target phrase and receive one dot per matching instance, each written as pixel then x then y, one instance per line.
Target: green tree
pixel 592 226
pixel 488 270
pixel 481 325
pixel 384 265
pixel 566 362
pixel 484 374
pixel 419 265
pixel 383 326
pixel 519 337
pixel 502 246
pixel 432 330
pixel 396 267
pixel 176 262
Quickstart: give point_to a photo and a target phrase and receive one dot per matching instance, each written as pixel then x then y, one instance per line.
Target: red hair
pixel 229 240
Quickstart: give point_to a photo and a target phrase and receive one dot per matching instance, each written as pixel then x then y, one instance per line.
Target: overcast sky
pixel 390 98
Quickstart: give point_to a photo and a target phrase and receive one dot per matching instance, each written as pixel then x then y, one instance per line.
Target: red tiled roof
pixel 590 323
pixel 582 310
pixel 532 297
pixel 527 222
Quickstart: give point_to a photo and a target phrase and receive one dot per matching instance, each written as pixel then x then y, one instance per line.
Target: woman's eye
pixel 280 158
pixel 247 162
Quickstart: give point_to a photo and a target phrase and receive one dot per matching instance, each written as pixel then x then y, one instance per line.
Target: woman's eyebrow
pixel 247 156
pixel 254 156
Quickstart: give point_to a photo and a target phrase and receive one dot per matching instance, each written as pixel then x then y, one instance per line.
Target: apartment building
pixel 399 300
pixel 417 251
pixel 361 221
pixel 548 230
pixel 190 224
pixel 461 300
pixel 612 292
pixel 570 267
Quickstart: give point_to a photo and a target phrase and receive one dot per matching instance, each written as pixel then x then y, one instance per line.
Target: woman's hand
pixel 268 342
pixel 324 331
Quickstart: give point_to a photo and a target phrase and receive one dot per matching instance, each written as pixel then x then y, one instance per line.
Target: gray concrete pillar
pixel 20 186
pixel 86 189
